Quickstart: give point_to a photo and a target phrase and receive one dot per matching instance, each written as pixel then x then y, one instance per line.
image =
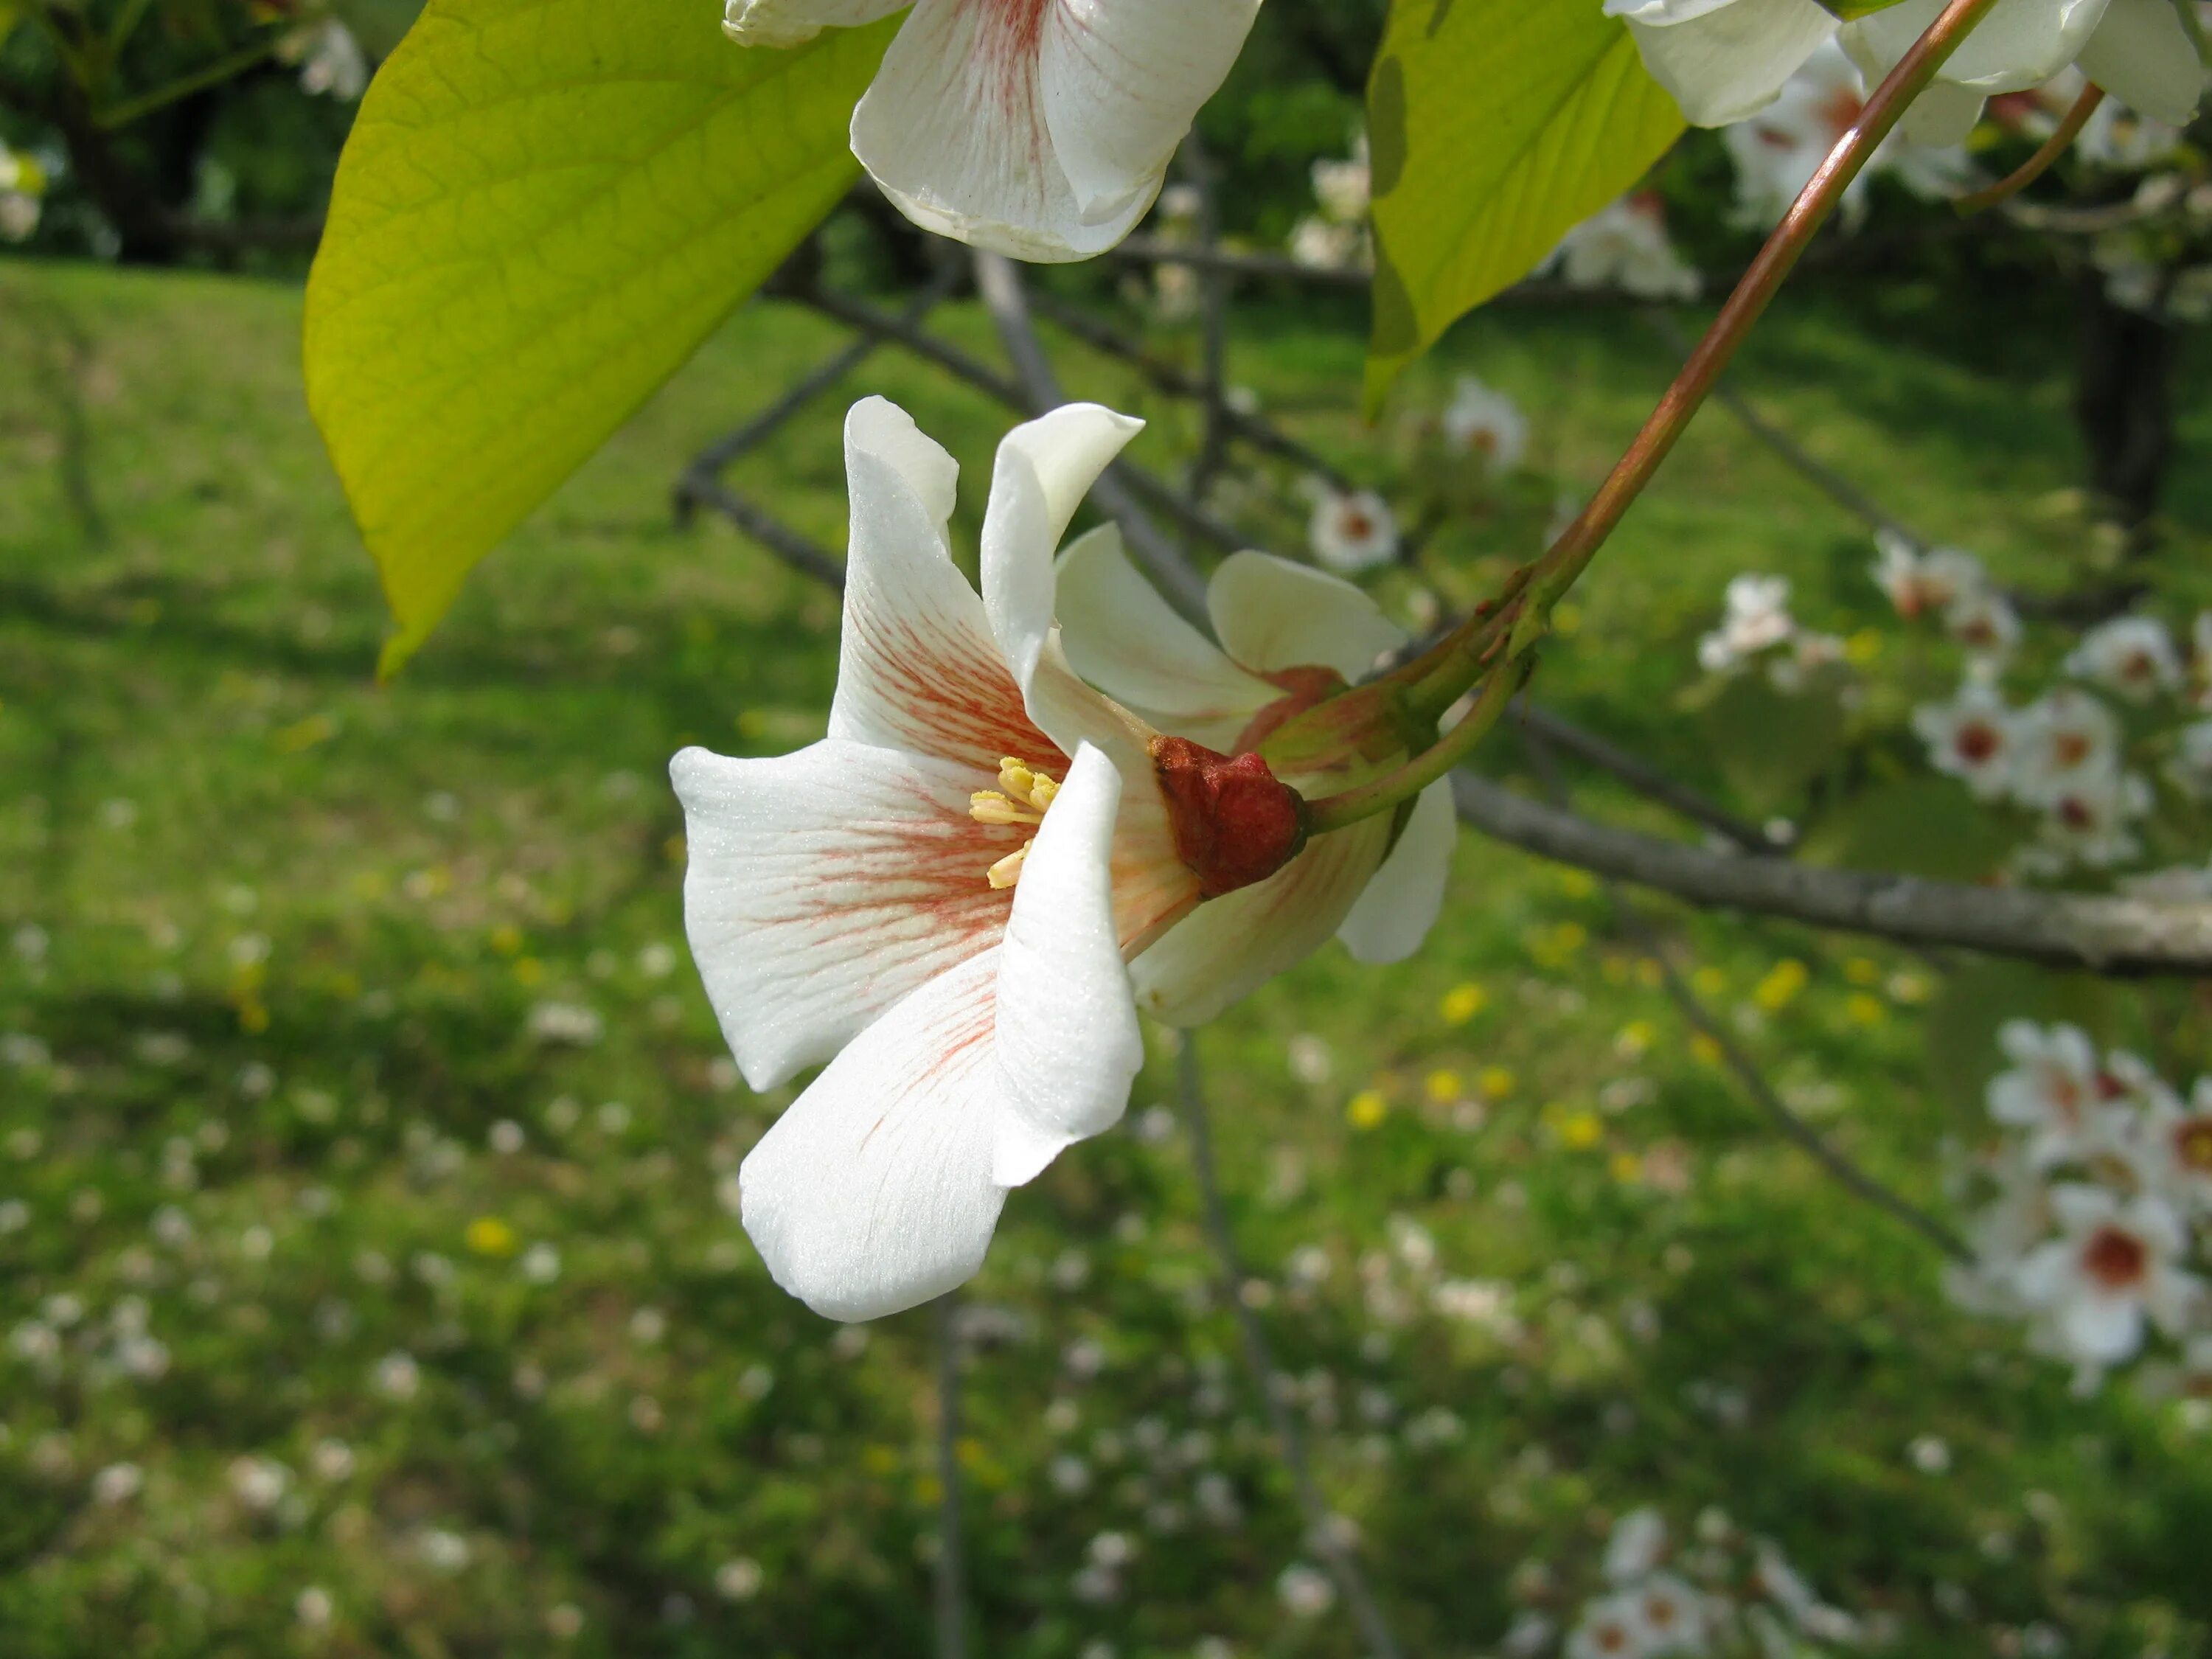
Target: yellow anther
pixel 989 806
pixel 1008 869
pixel 1020 800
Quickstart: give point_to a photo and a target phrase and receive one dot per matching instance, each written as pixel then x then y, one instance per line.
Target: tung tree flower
pixel 1485 422
pixel 2066 736
pixel 1037 128
pixel 2086 822
pixel 2173 1149
pixel 1625 246
pixel 1352 530
pixel 2115 1267
pixel 2055 1092
pixel 2139 51
pixel 1724 60
pixel 1757 618
pixel 1290 637
pixel 1918 582
pixel 2134 656
pixel 939 898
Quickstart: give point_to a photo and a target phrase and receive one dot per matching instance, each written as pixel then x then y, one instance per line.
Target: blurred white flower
pixel 2115 1265
pixel 1974 738
pixel 2119 139
pixel 1757 618
pixel 1918 583
pixel 1625 246
pixel 1637 1545
pixel 739 1579
pixel 259 1483
pixel 2133 656
pixel 1320 244
pixel 2064 736
pixel 570 1024
pixel 313 1607
pixel 443 1550
pixel 1342 188
pixel 2055 1092
pixel 1984 622
pixel 119 1483
pixel 1305 1590
pixel 1612 1627
pixel 22 188
pixel 2172 1149
pixel 1354 531
pixel 2086 822
pixel 331 61
pixel 397 1376
pixel 1484 423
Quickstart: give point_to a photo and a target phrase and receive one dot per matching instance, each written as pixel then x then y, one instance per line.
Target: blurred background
pixel 370 1278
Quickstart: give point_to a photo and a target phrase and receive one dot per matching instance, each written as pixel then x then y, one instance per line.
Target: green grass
pixel 296 927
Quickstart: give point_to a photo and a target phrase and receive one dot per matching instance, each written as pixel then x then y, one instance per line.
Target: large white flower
pixel 2138 50
pixel 1288 636
pixel 1723 59
pixel 1038 128
pixel 2115 1266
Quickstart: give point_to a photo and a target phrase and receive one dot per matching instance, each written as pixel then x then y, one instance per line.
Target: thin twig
pixel 800 552
pixel 952 1557
pixel 1738 1060
pixel 1320 1520
pixel 1645 779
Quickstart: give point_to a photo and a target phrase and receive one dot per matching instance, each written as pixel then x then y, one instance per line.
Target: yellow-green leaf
pixel 1496 126
pixel 544 206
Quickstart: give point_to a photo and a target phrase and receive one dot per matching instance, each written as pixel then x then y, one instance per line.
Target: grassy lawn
pixel 361 1115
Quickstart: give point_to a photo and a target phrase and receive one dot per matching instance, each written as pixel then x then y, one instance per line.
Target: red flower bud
pixel 1234 822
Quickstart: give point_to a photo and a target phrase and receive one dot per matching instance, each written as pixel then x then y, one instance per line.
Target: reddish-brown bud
pixel 1235 823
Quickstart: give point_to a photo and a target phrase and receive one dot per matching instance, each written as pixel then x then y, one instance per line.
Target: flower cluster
pixel 2063 756
pixel 1336 237
pixel 1757 626
pixel 1623 246
pixel 2097 1208
pixel 331 61
pixel 1724 1592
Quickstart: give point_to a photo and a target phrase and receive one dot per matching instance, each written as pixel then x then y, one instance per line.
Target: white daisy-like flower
pixel 2055 1093
pixel 1625 246
pixel 1041 128
pixel 330 60
pixel 1352 530
pixel 2114 1269
pixel 2132 656
pixel 1611 1627
pixel 1343 188
pixel 1974 738
pixel 2086 822
pixel 1486 423
pixel 2066 736
pixel 1984 622
pixel 1320 244
pixel 2172 1149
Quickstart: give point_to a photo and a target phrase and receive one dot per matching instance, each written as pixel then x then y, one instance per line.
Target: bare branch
pixel 1645 779
pixel 2117 937
pixel 1260 1360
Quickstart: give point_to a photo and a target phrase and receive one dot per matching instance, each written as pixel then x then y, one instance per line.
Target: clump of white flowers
pixel 1756 626
pixel 2095 1211
pixel 1723 1592
pixel 1623 247
pixel 1334 237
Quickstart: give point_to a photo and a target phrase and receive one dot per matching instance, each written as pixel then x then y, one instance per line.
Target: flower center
pixel 2192 1145
pixel 2071 749
pixel 1024 795
pixel 1978 743
pixel 2114 1259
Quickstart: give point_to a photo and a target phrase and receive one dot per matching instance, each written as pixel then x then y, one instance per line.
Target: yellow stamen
pixel 1020 800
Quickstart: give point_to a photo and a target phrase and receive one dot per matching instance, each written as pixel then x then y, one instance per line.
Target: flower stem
pixel 1444 672
pixel 2040 163
pixel 1386 793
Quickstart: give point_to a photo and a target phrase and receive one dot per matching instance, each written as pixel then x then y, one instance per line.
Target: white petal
pixel 1067 1042
pixel 1044 469
pixel 1125 639
pixel 1271 615
pixel 2019 44
pixel 918 668
pixel 792 23
pixel 2102 1328
pixel 2143 56
pixel 1942 116
pixel 1725 62
pixel 1123 81
pixel 1232 945
pixel 874 1192
pixel 825 885
pixel 1394 915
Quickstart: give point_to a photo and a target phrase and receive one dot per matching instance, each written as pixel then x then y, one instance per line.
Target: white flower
pixel 1673 1614
pixel 22 189
pixel 1352 530
pixel 1778 150
pixel 2065 736
pixel 259 1483
pixel 1984 622
pixel 2137 50
pixel 1288 634
pixel 1918 582
pixel 2055 1092
pixel 1486 423
pixel 2086 822
pixel 1757 618
pixel 1625 246
pixel 1974 738
pixel 119 1483
pixel 1723 59
pixel 1343 188
pixel 1041 129
pixel 2190 765
pixel 2119 139
pixel 1637 1545
pixel 2134 656
pixel 2115 1264
pixel 1321 244
pixel 1611 1627
pixel 940 897
pixel 2172 1149
pixel 330 60
pixel 1306 1591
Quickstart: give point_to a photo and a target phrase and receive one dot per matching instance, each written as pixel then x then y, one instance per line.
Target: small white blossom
pixel 1626 246
pixel 2087 823
pixel 2065 738
pixel 2055 1092
pixel 2133 656
pixel 1305 1590
pixel 1920 583
pixel 2115 1265
pixel 1352 531
pixel 1974 738
pixel 1757 618
pixel 1486 423
pixel 1984 622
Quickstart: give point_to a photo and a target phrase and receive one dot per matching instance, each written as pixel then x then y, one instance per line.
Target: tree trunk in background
pixel 2123 403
